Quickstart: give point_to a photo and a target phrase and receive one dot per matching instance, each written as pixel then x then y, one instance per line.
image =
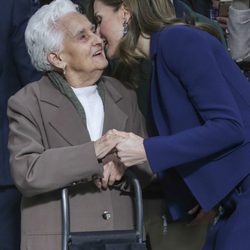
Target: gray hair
pixel 42 36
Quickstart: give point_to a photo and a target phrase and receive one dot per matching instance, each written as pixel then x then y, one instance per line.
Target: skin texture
pixel 82 60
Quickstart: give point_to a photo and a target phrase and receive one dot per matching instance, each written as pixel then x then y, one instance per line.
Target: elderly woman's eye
pixel 82 37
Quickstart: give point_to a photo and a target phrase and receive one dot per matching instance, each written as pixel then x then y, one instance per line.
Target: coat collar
pixel 114 117
pixel 63 117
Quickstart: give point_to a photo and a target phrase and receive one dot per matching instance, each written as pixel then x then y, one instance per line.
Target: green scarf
pixel 64 87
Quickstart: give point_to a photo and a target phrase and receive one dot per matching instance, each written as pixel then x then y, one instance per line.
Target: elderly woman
pixel 56 126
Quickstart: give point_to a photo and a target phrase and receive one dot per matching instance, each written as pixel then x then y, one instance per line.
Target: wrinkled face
pixel 110 26
pixel 83 50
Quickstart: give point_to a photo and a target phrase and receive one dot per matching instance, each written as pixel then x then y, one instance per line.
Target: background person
pixel 236 25
pixel 15 71
pixel 239 35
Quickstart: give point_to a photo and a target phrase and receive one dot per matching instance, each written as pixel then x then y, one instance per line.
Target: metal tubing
pixel 66 218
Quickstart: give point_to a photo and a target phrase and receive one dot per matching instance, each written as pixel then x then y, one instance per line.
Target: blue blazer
pixel 15 67
pixel 200 104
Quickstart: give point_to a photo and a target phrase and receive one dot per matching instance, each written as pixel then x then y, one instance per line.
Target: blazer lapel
pixel 64 119
pixel 114 117
pixel 62 115
pixel 68 124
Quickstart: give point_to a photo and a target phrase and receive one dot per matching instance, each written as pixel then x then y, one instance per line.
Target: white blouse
pixel 94 110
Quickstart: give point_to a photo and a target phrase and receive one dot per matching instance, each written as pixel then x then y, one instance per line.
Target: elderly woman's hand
pixel 112 171
pixel 106 143
pixel 130 148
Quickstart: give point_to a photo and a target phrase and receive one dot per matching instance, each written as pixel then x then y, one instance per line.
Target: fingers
pixel 121 134
pixel 222 19
pixel 106 175
pixel 194 210
pixel 105 144
pixel 203 218
pixel 223 22
pixel 200 217
pixel 98 183
pixel 129 146
pixel 131 150
pixel 108 142
pixel 112 172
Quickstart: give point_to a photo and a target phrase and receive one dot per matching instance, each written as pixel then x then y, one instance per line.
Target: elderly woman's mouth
pixel 98 52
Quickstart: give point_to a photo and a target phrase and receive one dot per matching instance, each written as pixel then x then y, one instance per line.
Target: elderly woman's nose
pixel 97 38
pixel 98 31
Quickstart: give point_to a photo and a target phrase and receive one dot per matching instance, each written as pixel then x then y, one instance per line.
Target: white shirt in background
pixel 239 30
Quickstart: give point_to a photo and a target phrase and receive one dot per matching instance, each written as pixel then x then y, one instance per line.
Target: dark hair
pixel 115 4
pixel 147 16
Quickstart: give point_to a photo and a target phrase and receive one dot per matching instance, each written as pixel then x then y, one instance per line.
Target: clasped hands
pixel 118 150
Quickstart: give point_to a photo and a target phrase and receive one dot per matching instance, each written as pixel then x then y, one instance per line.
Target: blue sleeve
pixel 22 11
pixel 192 56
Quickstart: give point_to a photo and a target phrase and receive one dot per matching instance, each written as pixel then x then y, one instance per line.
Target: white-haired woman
pixel 56 126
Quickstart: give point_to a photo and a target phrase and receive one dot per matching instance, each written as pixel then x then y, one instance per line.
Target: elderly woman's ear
pixel 57 61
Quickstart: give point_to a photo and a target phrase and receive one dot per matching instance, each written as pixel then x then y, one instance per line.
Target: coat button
pixel 106 215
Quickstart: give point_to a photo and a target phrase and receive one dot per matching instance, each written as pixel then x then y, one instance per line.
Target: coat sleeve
pixel 34 168
pixel 196 64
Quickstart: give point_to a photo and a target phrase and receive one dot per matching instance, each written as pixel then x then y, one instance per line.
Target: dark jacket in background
pixel 200 6
pixel 15 72
pixel 15 66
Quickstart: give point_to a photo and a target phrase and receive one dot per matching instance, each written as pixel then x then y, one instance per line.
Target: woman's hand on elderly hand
pixel 105 144
pixel 130 148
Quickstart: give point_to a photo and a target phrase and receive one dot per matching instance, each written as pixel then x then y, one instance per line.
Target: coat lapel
pixel 62 116
pixel 64 119
pixel 114 117
pixel 70 127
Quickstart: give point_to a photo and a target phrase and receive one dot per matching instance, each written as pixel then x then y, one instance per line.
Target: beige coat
pixel 50 149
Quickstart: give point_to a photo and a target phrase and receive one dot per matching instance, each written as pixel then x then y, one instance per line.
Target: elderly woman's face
pixel 83 49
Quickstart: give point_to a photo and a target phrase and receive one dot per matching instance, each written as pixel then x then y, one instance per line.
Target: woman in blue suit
pixel 200 109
